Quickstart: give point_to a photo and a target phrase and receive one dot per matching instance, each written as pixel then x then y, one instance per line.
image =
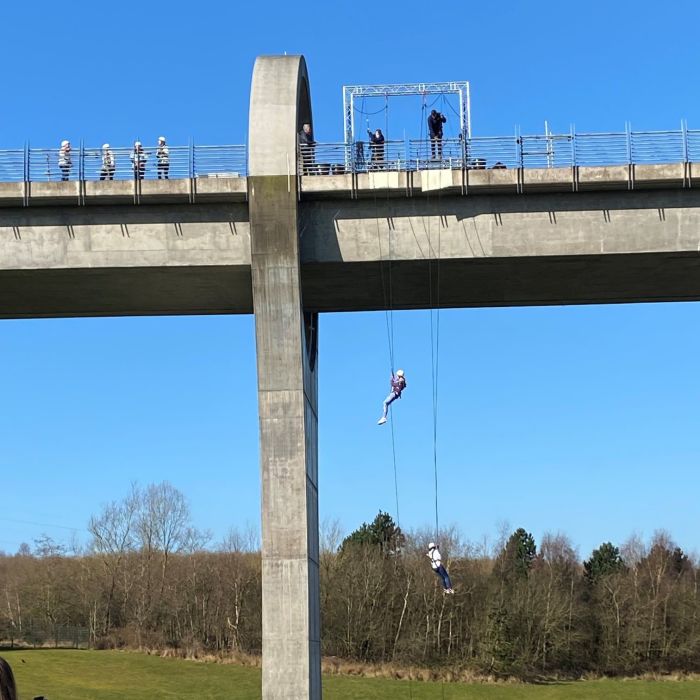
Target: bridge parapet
pixel 384 183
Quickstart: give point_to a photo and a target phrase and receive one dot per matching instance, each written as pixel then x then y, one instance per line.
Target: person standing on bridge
pixel 436 563
pixel 376 148
pixel 138 160
pixel 64 160
pixel 163 159
pixel 307 149
pixel 435 122
pixel 398 384
pixel 107 171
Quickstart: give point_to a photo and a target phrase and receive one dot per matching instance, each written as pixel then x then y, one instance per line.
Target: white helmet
pixel 137 144
pixel 431 545
pixel 105 145
pixel 399 373
pixel 161 139
pixel 65 143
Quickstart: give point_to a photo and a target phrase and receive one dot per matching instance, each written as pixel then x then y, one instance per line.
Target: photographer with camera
pixel 435 122
pixel 376 148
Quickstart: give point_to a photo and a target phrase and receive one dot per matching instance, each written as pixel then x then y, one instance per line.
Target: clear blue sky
pixel 577 419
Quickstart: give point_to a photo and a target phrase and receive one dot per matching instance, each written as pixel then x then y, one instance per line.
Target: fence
pixel 526 151
pixel 479 152
pixel 54 164
pixel 31 635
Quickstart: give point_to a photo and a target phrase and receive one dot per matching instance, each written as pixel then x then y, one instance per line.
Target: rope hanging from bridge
pixel 434 304
pixel 387 293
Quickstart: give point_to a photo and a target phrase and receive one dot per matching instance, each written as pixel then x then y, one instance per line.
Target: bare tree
pixel 113 537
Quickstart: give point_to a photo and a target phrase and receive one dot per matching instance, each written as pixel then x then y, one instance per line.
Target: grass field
pixel 113 675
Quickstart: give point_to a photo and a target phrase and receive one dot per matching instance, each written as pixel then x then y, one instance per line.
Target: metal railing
pixel 479 152
pixel 53 164
pixel 521 151
pixel 13 166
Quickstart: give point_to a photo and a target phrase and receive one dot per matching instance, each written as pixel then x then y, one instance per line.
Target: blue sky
pixel 573 419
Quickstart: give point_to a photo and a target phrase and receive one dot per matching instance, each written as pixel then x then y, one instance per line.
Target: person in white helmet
pixel 436 562
pixel 398 384
pixel 108 166
pixel 64 160
pixel 138 160
pixel 163 159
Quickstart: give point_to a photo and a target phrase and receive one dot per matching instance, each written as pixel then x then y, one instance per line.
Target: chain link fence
pixel 34 635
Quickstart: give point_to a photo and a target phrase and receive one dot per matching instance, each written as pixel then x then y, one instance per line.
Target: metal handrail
pixel 117 163
pixel 628 147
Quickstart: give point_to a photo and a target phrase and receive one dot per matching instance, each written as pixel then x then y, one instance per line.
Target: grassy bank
pixel 113 675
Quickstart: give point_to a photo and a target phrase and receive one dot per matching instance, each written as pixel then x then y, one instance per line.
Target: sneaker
pixel 381 421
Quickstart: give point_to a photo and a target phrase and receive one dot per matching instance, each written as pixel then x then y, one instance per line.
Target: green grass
pixel 113 675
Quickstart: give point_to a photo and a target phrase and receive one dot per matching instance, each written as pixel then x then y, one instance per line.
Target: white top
pixel 435 558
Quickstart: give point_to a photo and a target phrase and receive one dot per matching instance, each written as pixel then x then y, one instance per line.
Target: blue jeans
pixel 441 571
pixel 388 401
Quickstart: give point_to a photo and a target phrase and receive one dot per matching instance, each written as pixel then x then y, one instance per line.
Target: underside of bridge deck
pixel 341 286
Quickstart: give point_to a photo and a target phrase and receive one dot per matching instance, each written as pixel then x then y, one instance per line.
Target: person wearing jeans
pixel 436 562
pixel 398 384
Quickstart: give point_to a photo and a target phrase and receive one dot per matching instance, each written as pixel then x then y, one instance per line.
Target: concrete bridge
pixel 287 247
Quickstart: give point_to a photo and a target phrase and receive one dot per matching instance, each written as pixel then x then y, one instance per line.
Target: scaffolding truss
pixel 461 89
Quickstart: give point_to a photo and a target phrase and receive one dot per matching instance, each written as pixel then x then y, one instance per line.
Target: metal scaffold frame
pixel 460 88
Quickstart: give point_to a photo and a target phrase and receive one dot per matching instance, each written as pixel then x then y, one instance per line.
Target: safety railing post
pixel 25 175
pixel 628 132
pixel 572 138
pixel 191 165
pixel 81 162
pixel 684 132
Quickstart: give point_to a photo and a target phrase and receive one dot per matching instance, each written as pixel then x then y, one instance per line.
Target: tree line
pixel 148 578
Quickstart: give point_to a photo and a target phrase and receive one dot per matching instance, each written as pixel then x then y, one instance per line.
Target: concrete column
pixel 287 385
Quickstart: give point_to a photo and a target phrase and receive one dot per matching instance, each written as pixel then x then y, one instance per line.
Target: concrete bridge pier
pixel 287 385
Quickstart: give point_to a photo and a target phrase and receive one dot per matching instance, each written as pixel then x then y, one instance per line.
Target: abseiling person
pixel 398 384
pixel 436 563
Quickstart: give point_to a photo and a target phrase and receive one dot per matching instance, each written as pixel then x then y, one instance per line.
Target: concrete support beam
pixel 287 386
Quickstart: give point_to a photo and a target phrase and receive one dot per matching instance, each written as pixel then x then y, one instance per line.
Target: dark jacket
pixel 435 122
pixel 306 139
pixel 374 139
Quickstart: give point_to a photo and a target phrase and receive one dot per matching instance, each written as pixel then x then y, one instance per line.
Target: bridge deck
pixel 503 237
pixel 396 183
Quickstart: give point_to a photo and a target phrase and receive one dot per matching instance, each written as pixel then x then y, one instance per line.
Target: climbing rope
pixel 387 293
pixel 386 117
pixel 369 114
pixel 434 303
pixel 435 363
